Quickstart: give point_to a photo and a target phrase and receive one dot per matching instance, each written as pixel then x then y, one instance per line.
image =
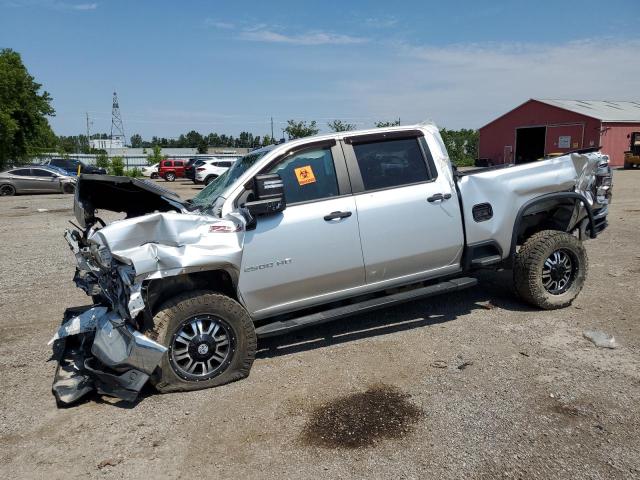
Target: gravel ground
pixel 470 385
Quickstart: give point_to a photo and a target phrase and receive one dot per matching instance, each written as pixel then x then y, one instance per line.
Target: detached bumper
pixel 98 351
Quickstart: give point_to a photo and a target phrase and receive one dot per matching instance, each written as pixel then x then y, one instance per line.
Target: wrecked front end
pixel 101 347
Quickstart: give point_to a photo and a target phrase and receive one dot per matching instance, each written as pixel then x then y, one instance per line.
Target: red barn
pixel 546 127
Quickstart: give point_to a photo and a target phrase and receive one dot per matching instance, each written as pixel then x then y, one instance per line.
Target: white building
pixel 106 143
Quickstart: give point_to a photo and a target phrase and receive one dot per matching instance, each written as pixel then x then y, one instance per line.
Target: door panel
pixel 297 258
pixel 405 234
pixel 408 211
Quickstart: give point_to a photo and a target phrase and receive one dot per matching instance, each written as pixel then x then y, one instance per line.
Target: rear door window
pixel 178 163
pixel 391 163
pixel 22 172
pixel 308 175
pixel 39 172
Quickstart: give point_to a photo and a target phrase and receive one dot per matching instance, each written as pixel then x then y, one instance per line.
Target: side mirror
pixel 269 193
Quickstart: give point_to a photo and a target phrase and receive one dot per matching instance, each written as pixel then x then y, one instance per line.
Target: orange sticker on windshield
pixel 305 175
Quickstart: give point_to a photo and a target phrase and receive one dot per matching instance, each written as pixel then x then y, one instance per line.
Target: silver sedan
pixel 35 179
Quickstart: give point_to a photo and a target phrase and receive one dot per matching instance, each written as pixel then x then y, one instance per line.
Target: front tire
pixel 7 190
pixel 211 342
pixel 68 188
pixel 550 269
pixel 170 177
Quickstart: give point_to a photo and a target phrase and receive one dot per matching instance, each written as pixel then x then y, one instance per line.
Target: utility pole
pixel 272 130
pixel 88 129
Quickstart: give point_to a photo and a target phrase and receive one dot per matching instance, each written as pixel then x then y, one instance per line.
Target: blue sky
pixel 229 66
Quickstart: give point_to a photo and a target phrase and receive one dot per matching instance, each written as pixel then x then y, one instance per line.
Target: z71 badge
pixel 264 266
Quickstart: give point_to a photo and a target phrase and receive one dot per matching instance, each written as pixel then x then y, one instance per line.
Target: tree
pixel 136 141
pixel 117 166
pixel 102 160
pixel 462 145
pixel 267 140
pixel 340 126
pixel 300 129
pixel 203 146
pixel 394 123
pixel 24 128
pixel 156 156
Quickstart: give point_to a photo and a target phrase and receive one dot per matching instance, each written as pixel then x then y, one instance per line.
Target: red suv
pixel 171 169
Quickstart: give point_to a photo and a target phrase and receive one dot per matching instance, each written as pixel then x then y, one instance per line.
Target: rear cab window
pixel 391 163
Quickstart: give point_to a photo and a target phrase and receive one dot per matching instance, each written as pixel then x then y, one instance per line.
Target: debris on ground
pixel 465 364
pixel 361 419
pixel 109 462
pixel 600 339
pixel 524 354
pixel 439 364
pixel 42 210
pixel 487 305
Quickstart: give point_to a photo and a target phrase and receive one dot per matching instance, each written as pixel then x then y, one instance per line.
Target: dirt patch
pixel 572 410
pixel 361 419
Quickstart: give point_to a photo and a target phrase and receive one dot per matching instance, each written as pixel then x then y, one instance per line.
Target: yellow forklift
pixel 632 157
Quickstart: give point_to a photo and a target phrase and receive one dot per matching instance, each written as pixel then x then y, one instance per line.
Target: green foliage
pixel 462 145
pixel 394 123
pixel 102 160
pixel 134 172
pixel 136 141
pixel 203 146
pixel 300 129
pixel 117 166
pixel 267 140
pixel 24 129
pixel 340 126
pixel 156 156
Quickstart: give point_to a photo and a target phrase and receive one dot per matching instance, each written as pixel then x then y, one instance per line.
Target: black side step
pixel 286 326
pixel 486 261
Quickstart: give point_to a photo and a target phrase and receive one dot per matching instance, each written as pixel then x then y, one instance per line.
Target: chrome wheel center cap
pixel 203 349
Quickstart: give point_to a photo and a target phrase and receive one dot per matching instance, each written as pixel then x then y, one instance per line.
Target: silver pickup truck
pixel 301 233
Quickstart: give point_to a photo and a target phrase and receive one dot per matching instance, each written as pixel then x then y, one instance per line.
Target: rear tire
pixel 228 361
pixel 550 269
pixel 627 166
pixel 210 179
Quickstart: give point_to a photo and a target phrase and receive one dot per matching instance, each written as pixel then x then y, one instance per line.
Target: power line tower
pixel 117 128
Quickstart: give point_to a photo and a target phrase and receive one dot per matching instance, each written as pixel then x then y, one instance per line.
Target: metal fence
pixel 132 161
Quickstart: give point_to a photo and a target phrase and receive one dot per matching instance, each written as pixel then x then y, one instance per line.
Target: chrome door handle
pixel 334 215
pixel 439 196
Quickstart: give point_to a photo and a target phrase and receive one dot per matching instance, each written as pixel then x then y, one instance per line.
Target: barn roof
pixel 607 111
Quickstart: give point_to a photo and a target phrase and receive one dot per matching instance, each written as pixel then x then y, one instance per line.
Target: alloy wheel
pixel 202 347
pixel 558 271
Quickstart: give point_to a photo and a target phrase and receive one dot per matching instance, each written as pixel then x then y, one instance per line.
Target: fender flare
pixel 543 198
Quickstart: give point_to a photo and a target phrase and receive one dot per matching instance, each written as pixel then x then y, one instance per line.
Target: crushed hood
pixel 131 196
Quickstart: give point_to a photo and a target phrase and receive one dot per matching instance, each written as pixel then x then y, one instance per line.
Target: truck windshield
pixel 211 192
